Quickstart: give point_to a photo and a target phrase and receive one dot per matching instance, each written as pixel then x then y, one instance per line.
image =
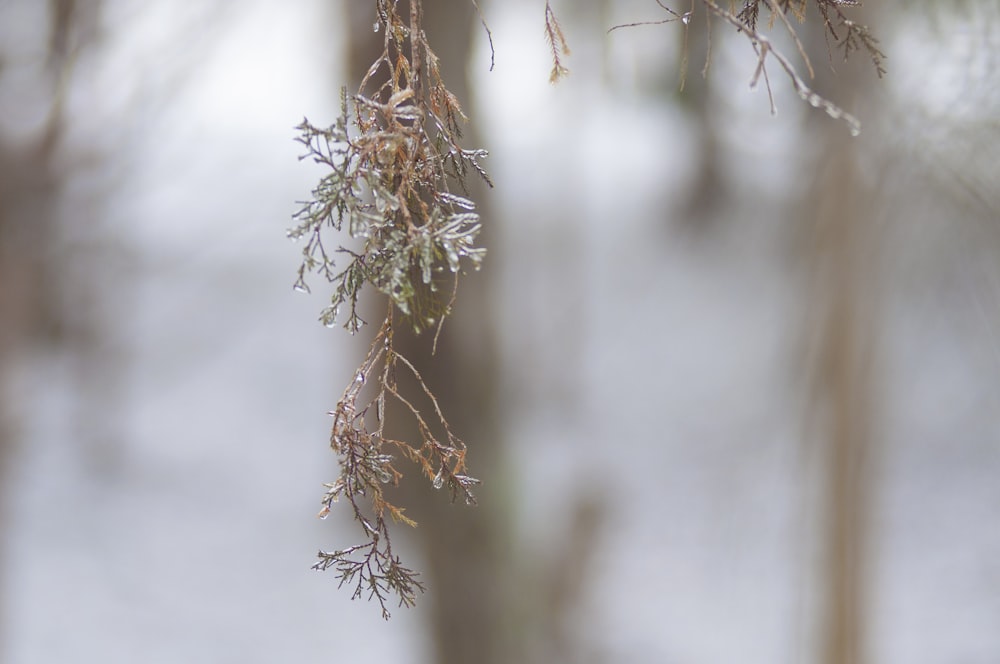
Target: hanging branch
pixel 393 157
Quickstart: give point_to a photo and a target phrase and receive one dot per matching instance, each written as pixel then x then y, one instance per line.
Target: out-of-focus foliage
pixel 391 182
pixel 844 34
pixel 557 43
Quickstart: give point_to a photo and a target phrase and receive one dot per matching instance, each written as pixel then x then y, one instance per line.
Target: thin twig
pixel 557 42
pixel 803 90
pixel 795 36
pixel 489 35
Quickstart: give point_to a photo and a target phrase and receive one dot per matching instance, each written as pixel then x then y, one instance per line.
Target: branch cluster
pixel 392 159
pixel 367 468
pixel 390 184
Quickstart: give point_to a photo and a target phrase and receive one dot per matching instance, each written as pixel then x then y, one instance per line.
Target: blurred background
pixel 731 380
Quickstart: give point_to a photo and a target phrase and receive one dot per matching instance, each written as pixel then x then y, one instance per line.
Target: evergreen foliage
pixel 393 160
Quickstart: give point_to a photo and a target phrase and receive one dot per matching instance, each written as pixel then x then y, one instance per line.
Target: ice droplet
pixel 360 378
pixel 439 479
pixel 686 18
pixel 329 316
pixel 300 288
pixel 457 200
pixel 375 27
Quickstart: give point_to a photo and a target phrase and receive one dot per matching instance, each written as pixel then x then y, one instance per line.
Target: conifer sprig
pixel 393 161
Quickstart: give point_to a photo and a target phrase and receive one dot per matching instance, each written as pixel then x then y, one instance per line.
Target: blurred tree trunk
pixel 846 246
pixel 493 601
pixel 28 187
pixel 845 255
pixel 463 546
pixel 37 296
pixel 26 226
